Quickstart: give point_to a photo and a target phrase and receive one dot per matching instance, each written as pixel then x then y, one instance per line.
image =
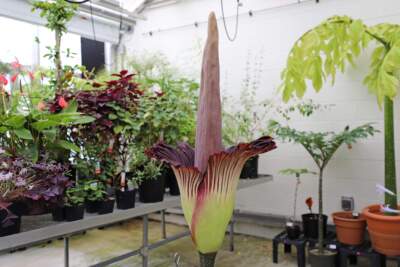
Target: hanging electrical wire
pixel 77 1
pixel 237 21
pixel 92 19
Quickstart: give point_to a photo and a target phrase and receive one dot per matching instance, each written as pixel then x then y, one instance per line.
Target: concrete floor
pixel 98 245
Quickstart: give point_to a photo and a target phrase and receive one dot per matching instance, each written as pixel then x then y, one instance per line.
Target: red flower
pixel 31 76
pixel 309 203
pixel 62 102
pixel 41 106
pixel 3 80
pixel 16 65
pixel 14 77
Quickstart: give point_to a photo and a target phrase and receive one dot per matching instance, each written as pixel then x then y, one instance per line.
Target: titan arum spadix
pixel 209 174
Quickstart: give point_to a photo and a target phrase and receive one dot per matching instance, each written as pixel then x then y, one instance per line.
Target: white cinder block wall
pixel 269 34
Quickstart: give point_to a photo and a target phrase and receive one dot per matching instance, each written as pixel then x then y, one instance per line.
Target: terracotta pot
pixel 384 231
pixel 349 230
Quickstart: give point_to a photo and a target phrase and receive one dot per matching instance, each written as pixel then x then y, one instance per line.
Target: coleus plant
pixel 208 175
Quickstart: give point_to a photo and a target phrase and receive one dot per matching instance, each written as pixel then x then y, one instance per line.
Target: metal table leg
pixel 163 226
pixel 66 251
pixel 145 254
pixel 231 236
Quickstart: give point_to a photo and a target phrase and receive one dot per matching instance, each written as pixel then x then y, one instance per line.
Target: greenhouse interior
pixel 199 133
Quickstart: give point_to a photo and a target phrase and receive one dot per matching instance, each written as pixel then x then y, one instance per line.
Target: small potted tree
pixel 75 203
pixel 321 146
pixel 292 226
pixel 95 192
pixel 320 53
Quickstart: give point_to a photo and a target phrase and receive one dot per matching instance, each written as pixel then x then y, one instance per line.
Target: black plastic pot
pixel 250 169
pixel 74 213
pixel 106 206
pixel 152 190
pixel 310 225
pixel 92 206
pixel 327 259
pixel 171 182
pixel 125 199
pixel 58 214
pixel 12 225
pixel 293 231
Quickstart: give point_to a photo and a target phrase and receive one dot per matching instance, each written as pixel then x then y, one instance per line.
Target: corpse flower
pixel 209 174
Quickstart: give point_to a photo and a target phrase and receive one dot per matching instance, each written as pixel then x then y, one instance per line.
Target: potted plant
pixel 311 221
pixel 94 191
pixel 292 226
pixel 106 205
pixel 75 203
pixel 321 146
pixel 244 119
pixel 151 182
pixel 350 227
pixel 15 181
pixel 168 108
pixel 382 81
pixel 125 196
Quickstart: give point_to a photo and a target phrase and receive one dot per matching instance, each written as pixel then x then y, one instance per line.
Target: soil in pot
pixel 58 213
pixel 326 259
pixel 384 231
pixel 125 199
pixel 310 225
pixel 293 230
pixel 106 206
pixel 250 169
pixel 171 182
pixel 92 206
pixel 152 190
pixel 13 225
pixel 350 230
pixel 74 213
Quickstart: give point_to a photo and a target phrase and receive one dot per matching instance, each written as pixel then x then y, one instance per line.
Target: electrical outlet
pixel 347 203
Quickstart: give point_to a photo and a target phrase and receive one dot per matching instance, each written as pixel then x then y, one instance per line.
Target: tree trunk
pixel 57 61
pixel 320 213
pixel 390 161
pixel 207 260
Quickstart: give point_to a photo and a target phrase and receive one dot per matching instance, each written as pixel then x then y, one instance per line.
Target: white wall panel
pixel 269 35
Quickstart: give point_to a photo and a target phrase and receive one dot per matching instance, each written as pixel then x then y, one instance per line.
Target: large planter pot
pixel 171 182
pixel 125 199
pixel 310 225
pixel 13 225
pixel 74 213
pixel 250 168
pixel 106 206
pixel 327 259
pixel 384 231
pixel 92 206
pixel 152 190
pixel 349 230
pixel 58 213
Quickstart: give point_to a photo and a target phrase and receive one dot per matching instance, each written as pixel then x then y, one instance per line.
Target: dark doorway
pixel 92 54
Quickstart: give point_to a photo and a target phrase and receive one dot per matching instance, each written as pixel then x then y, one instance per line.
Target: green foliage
pixel 322 145
pixel 170 115
pixel 57 13
pixel 335 43
pixel 142 167
pixel 296 172
pixel 94 190
pixel 75 196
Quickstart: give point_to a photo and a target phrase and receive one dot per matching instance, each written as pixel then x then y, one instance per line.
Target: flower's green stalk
pixel 207 260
